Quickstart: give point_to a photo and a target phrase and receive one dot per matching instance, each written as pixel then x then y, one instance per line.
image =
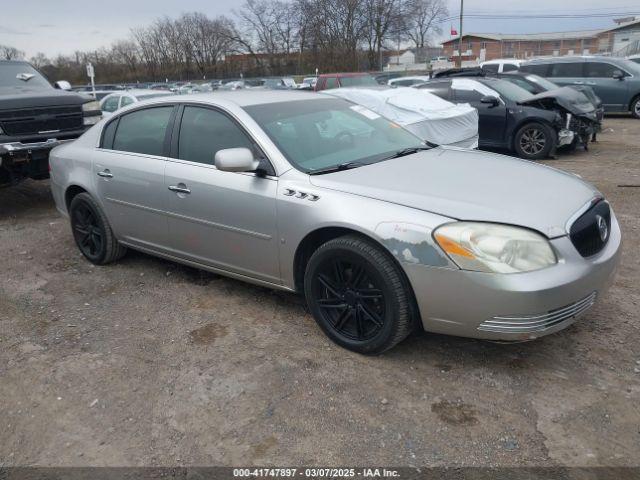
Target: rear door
pixel 129 175
pixel 613 92
pixel 223 219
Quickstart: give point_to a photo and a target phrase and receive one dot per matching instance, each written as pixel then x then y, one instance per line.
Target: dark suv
pixel 615 80
pixel 35 117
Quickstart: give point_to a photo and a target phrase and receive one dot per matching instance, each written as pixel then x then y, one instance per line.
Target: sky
pixel 64 26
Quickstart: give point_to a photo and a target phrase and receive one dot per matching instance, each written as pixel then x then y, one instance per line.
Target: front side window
pixel 538 69
pixel 357 81
pixel 204 131
pixel 319 134
pixel 600 70
pixel 509 67
pixel 331 82
pixel 143 131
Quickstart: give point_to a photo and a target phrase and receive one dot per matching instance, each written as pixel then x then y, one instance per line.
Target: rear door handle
pixel 180 188
pixel 105 173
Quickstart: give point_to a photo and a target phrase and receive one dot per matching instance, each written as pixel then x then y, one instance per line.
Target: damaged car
pixel 312 194
pixel 509 118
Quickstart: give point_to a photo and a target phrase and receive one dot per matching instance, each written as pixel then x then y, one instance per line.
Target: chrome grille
pixel 31 121
pixel 537 323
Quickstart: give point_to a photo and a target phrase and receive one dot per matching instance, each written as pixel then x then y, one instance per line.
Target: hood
pixel 39 98
pixel 570 99
pixel 470 185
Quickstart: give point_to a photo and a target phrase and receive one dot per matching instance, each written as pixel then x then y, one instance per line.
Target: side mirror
pixel 62 85
pixel 618 75
pixel 490 99
pixel 235 160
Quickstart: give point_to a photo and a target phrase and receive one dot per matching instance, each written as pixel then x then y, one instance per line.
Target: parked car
pixel 279 83
pixel 308 83
pixel 378 231
pixel 117 100
pixel 634 58
pixel 615 80
pixel 383 77
pixel 432 119
pixel 585 108
pixel 35 116
pixel 337 80
pixel 408 81
pixel 510 117
pixel 501 65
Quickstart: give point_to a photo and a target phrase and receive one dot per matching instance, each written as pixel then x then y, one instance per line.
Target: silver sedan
pixel 316 195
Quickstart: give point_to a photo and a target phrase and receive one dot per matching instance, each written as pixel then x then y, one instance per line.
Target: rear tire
pixel 358 295
pixel 92 232
pixel 534 141
pixel 635 107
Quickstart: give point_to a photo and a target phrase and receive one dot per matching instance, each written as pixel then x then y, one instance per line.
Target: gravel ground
pixel 147 362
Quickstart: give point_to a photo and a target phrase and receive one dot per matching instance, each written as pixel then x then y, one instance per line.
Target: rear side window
pixel 492 67
pixel 204 131
pixel 111 104
pixel 108 134
pixel 538 69
pixel 509 67
pixel 564 70
pixel 441 89
pixel 143 131
pixel 600 70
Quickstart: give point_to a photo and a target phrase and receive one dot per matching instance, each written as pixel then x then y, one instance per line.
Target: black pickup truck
pixel 35 116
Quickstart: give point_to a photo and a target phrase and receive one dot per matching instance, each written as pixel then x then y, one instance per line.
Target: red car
pixel 336 80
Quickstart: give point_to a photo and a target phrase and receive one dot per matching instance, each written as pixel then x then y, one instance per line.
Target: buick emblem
pixel 602 228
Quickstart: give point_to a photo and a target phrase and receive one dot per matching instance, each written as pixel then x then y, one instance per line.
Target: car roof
pixel 244 98
pixel 572 59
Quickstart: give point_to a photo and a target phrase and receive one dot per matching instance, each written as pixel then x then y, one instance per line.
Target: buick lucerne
pixel 312 194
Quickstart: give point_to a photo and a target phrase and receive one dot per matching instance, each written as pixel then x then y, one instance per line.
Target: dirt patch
pixel 208 334
pixel 455 413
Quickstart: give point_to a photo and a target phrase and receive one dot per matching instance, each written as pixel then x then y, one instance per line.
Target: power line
pixel 536 16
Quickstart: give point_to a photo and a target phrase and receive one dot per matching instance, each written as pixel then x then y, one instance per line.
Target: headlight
pixel 91 106
pixel 490 247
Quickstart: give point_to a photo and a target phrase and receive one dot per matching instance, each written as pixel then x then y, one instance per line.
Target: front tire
pixel 92 232
pixel 534 141
pixel 358 295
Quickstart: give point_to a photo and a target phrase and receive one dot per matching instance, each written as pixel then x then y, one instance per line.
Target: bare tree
pixel 8 52
pixel 421 19
pixel 382 16
pixel 39 60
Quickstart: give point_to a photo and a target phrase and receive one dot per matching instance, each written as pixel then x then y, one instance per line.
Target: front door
pixel 491 118
pixel 612 91
pixel 129 174
pixel 223 219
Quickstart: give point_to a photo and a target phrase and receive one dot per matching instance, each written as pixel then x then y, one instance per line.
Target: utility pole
pixel 460 33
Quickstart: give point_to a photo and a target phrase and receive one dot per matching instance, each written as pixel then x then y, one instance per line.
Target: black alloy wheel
pixel 358 295
pixel 87 231
pixel 92 232
pixel 534 141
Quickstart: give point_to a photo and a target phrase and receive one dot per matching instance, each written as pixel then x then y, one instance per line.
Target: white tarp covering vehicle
pixel 429 117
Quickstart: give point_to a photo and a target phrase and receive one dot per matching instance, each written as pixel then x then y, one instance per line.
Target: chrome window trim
pixel 582 210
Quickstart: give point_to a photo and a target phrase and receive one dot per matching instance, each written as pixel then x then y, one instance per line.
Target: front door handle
pixel 105 173
pixel 180 188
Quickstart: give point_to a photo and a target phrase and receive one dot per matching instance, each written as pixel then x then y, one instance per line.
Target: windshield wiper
pixel 407 151
pixel 338 168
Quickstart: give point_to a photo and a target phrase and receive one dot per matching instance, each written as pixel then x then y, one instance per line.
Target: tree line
pixel 262 37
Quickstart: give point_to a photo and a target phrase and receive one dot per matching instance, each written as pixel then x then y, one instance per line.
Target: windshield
pixel 543 82
pixel 324 133
pixel 17 77
pixel 357 81
pixel 510 91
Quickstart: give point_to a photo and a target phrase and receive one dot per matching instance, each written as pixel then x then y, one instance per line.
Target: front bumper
pixel 515 307
pixel 20 160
